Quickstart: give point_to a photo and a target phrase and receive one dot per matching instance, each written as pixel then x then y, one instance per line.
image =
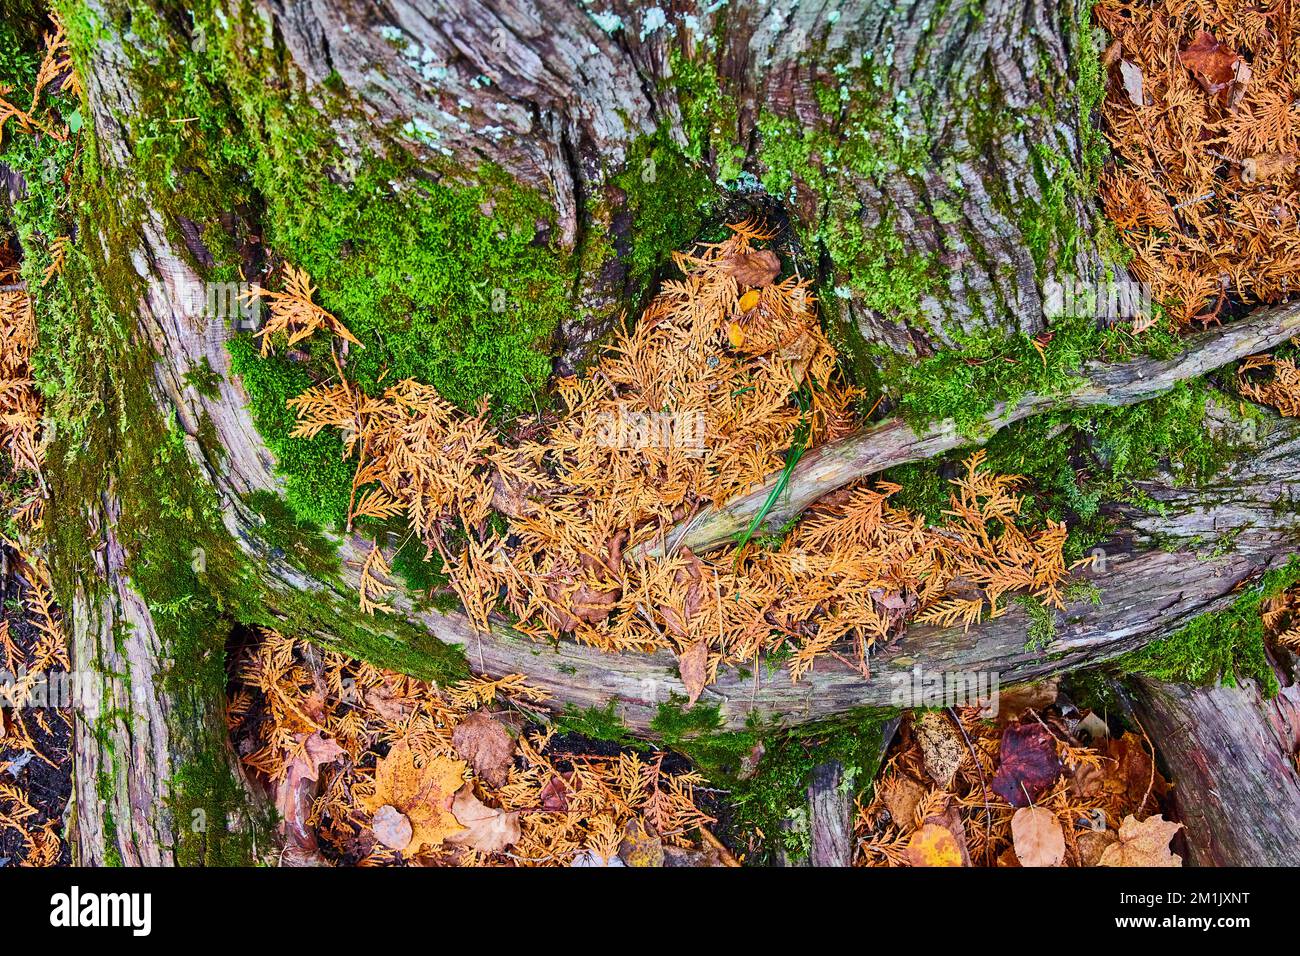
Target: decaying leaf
pixel 301 771
pixel 942 746
pixel 933 845
pixel 392 828
pixel 486 829
pixel 1093 844
pixel 486 745
pixel 902 795
pixel 423 794
pixel 1029 763
pixel 757 269
pixel 1037 837
pixel 1014 701
pixel 1131 76
pixel 1212 64
pixel 1143 843
pixel 693 663
pixel 640 846
pixel 1264 167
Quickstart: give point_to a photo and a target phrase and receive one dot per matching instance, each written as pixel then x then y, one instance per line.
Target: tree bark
pixel 1232 755
pixel 557 96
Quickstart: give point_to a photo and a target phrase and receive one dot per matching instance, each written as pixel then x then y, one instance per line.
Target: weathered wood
pixel 893 442
pixel 1232 756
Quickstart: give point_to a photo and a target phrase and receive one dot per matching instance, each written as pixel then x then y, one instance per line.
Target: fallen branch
pixel 893 442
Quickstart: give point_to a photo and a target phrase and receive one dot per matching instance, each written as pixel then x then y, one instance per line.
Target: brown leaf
pixel 555 794
pixel 1087 781
pixel 485 744
pixel 901 796
pixel 382 700
pixel 392 828
pixel 693 663
pixel 1134 774
pixel 1012 703
pixel 933 845
pixel 1029 764
pixel 942 746
pixel 1037 837
pixel 1144 843
pixel 1267 166
pixel 487 829
pixel 1213 65
pixel 1092 844
pixel 757 269
pixel 297 787
pixel 690 584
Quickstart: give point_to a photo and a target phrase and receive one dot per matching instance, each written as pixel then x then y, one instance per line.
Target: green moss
pixel 318 481
pixel 709 116
pixel 669 197
pixel 1221 645
pixel 203 378
pixel 447 275
pixel 1041 629
pixel 597 723
pixel 295 538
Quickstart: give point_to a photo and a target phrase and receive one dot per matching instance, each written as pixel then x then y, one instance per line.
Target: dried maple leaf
pixel 1143 843
pixel 423 794
pixel 486 829
pixel 1029 764
pixel 1213 65
pixel 1037 837
pixel 486 744
pixel 933 845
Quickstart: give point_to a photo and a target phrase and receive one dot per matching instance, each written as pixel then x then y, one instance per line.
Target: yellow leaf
pixel 735 335
pixel 933 845
pixel 749 300
pixel 424 795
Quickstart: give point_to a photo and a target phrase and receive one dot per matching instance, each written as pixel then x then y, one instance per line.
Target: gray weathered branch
pixel 893 442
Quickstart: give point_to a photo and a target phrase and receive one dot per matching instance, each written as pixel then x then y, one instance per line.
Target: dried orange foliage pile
pixel 1199 111
pixel 727 370
pixel 375 768
pixel 1279 387
pixel 34 730
pixel 1041 789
